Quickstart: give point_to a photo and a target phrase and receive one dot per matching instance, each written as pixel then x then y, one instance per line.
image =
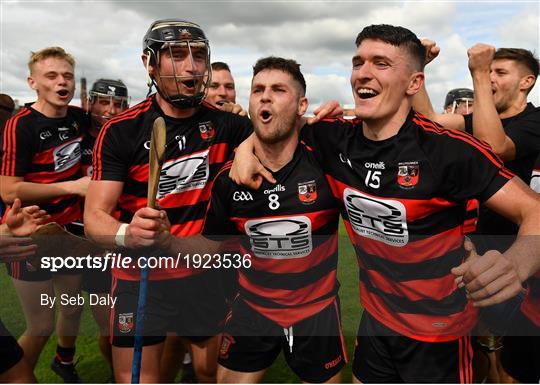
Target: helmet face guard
pixel 112 92
pixel 457 96
pixel 163 41
pixel 468 103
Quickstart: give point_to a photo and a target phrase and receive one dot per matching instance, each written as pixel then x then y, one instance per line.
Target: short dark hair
pixel 220 66
pixel 396 36
pixel 520 55
pixel 286 65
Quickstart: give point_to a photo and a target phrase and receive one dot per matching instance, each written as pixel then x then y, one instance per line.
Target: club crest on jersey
pixel 408 174
pixel 226 343
pixel 307 192
pixel 125 322
pixel 207 131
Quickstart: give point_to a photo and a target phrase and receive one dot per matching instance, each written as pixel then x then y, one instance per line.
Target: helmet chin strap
pixel 149 80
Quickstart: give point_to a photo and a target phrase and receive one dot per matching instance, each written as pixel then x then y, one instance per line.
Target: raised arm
pixel 422 103
pixel 487 123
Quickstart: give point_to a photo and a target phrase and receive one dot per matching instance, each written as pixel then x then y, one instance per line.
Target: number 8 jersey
pixel 290 230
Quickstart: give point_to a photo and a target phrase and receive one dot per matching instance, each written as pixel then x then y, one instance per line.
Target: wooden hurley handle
pixel 157 155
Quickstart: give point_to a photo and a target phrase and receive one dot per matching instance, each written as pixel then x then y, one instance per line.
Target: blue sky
pixel 105 37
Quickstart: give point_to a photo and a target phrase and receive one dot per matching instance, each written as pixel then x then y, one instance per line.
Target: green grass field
pixel 93 368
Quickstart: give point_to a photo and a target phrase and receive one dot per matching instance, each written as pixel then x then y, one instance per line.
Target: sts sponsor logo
pixel 383 220
pixel 280 238
pixel 67 155
pixel 184 174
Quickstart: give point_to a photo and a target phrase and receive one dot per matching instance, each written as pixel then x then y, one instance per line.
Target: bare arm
pixel 148 227
pixel 34 193
pixel 495 277
pixel 517 202
pixel 247 170
pixel 422 103
pixel 101 200
pixel 486 122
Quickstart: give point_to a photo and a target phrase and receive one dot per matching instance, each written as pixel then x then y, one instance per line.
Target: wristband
pixel 120 238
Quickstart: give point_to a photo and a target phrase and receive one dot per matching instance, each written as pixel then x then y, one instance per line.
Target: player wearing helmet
pixel 200 138
pixel 459 101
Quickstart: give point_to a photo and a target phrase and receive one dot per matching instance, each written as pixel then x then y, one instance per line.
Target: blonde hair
pixel 45 53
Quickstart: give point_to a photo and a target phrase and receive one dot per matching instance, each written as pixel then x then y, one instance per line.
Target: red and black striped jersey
pixel 290 231
pixel 403 204
pixel 531 303
pixel 46 150
pixel 196 148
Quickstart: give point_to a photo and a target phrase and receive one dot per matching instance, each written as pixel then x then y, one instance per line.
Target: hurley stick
pixel 156 157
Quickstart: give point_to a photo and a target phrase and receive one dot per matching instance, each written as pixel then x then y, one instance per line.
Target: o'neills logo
pixel 280 238
pixel 188 173
pixel 374 166
pixel 384 220
pixel 278 188
pixel 67 155
pixel 334 362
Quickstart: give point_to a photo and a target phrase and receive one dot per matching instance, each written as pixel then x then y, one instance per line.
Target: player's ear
pixel 31 82
pixel 415 83
pixel 302 106
pixel 527 82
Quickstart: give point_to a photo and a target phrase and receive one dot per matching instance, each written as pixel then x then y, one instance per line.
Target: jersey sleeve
pixel 525 134
pixel 240 128
pixel 468 123
pixel 110 155
pixel 325 135
pixel 475 171
pixel 18 148
pixel 217 225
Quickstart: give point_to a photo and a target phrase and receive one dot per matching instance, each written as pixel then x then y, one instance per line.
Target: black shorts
pixel 315 352
pixel 520 356
pixel 96 281
pixel 10 351
pixel 381 355
pixel 192 307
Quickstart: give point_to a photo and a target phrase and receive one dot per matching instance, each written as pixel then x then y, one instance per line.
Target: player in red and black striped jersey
pixel 107 98
pixel 404 182
pixel 41 155
pixel 288 295
pixel 200 139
